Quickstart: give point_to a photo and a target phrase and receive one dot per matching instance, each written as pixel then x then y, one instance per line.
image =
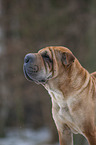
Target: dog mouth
pixel 28 73
pixel 27 76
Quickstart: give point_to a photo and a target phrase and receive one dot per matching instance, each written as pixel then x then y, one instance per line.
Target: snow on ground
pixel 26 136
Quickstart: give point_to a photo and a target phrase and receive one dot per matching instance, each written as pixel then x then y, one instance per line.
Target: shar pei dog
pixel 72 90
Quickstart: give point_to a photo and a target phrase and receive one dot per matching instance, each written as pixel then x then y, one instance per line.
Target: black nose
pixel 29 58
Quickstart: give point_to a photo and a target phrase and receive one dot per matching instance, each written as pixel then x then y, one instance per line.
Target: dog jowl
pixel 72 90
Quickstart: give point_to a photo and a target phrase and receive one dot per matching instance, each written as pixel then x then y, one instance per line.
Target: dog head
pixel 47 64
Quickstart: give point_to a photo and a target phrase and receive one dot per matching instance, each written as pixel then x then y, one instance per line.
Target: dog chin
pixel 40 81
pixel 27 76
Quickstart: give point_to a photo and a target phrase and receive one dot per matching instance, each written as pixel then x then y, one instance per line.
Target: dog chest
pixel 60 108
pixel 61 113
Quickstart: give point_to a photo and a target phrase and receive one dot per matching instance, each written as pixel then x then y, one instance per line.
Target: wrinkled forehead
pixel 55 49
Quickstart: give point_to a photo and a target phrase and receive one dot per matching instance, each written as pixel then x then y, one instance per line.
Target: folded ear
pixel 67 58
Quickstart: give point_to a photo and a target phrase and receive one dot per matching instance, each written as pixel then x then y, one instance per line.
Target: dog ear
pixel 67 58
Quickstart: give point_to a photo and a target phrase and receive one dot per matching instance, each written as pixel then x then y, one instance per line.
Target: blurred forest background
pixel 27 26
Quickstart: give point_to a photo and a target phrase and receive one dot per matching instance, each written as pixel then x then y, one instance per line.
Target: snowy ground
pixel 26 137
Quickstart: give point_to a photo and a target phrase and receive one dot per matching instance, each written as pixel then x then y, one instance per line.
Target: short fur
pixel 72 90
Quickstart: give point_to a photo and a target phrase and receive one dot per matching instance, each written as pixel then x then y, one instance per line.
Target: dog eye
pixel 46 56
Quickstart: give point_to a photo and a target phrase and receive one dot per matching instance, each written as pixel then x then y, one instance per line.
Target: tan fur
pixel 73 101
pixel 73 93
